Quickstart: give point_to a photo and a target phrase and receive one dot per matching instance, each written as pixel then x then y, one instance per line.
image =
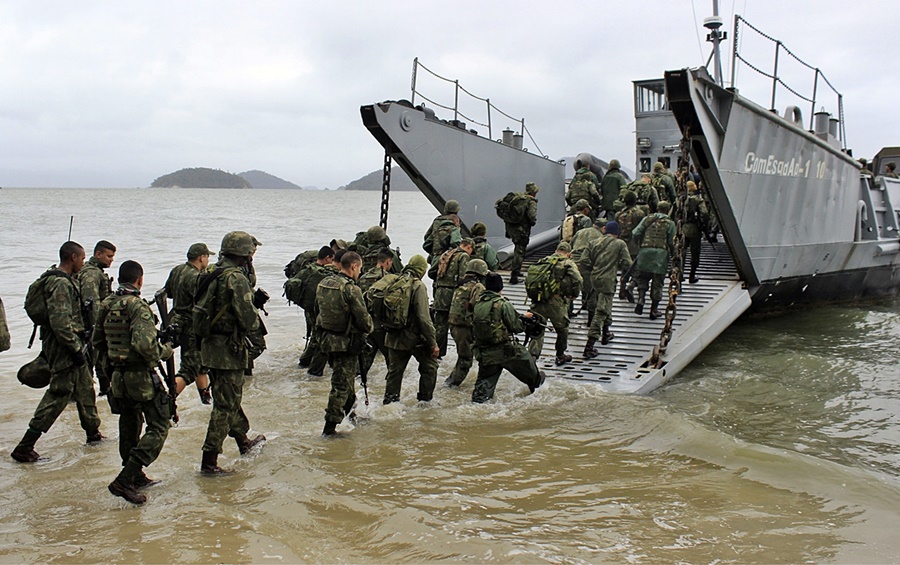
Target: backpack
pixel 579 188
pixel 441 235
pixel 389 300
pixel 540 280
pixel 463 303
pixel 301 289
pixel 568 228
pixel 488 328
pixel 36 302
pixel 512 208
pixel 203 314
pixel 299 262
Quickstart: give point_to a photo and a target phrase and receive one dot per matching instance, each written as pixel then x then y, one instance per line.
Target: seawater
pixel 777 445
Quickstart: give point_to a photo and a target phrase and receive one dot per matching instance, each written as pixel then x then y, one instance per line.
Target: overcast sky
pixel 115 94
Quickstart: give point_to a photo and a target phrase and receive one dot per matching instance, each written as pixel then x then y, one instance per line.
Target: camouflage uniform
pixel 556 307
pixel 431 242
pixel 368 243
pixel 613 182
pixel 580 243
pixel 483 250
pixel 125 334
pixel 494 321
pixel 589 190
pixel 647 197
pixel 628 219
pixel 416 340
pixel 656 235
pixel 697 215
pixel 226 354
pixel 308 278
pixel 181 286
pixel 461 308
pixel 343 324
pixel 376 337
pixel 664 183
pixel 447 271
pixel 61 344
pixel 94 284
pixel 520 233
pixel 601 261
pixel 4 329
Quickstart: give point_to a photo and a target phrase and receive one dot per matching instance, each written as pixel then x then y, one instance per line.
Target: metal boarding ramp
pixel 704 310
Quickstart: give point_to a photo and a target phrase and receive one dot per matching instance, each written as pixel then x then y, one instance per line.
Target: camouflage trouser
pixel 398 359
pixel 520 364
pixel 653 281
pixel 602 315
pixel 556 310
pixel 588 296
pixel 227 417
pixel 155 413
pixel 190 365
pixel 519 254
pixel 74 383
pixel 441 327
pixel 462 336
pixel 100 372
pixel 312 355
pixel 344 367
pixel 376 340
pixel 694 246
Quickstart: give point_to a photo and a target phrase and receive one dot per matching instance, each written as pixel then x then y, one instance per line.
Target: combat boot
pixel 245 444
pixel 330 429
pixel 143 481
pixel 125 489
pixel 562 359
pixel 654 310
pixel 95 437
pixel 209 466
pixel 693 278
pixel 589 350
pixel 514 277
pixel 24 452
pixel 607 336
pixel 639 307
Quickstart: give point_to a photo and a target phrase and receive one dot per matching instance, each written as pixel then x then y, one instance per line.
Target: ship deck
pixel 703 311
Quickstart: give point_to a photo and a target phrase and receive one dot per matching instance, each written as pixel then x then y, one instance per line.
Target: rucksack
pixel 36 302
pixel 203 315
pixel 488 328
pixel 512 208
pixel 540 280
pixel 441 235
pixel 389 300
pixel 579 188
pixel 568 228
pixel 299 262
pixel 463 303
pixel 301 288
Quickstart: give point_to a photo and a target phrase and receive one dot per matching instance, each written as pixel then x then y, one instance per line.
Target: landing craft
pixel 802 224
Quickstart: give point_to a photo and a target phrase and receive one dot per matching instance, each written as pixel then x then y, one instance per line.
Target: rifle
pixel 624 292
pixel 534 326
pixel 363 370
pixel 168 333
pixel 87 315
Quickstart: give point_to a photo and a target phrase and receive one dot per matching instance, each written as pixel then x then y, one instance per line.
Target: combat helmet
pixel 238 243
pixel 375 233
pixel 478 266
pixel 614 164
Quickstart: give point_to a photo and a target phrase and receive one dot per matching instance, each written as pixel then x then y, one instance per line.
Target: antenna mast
pixel 715 36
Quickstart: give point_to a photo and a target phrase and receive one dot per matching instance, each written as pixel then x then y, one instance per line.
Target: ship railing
pixel 777 80
pixel 457 113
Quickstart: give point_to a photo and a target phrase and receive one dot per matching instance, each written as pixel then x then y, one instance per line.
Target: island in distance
pixel 203 177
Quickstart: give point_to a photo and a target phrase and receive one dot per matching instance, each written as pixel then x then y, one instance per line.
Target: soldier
pixel 602 260
pixel 647 198
pixel 417 339
pixel 343 324
pixel 181 286
pixel 663 182
pixel 94 284
pixel 697 218
pixel 225 316
pixel 483 249
pixel 891 170
pixel 520 233
pixel 256 339
pixel 554 305
pixel 463 304
pixel 628 219
pixel 301 290
pixel 365 282
pixel 613 182
pixel 4 329
pixel 656 236
pixel 584 185
pixel 444 231
pixel 126 336
pixel 447 272
pixel 62 345
pixel 494 321
pixel 580 217
pixel 581 242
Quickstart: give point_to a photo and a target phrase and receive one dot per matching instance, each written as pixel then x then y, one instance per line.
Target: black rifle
pixel 87 315
pixel 534 326
pixel 169 329
pixel 363 370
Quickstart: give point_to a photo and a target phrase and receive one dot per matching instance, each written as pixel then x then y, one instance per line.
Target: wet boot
pixel 245 444
pixel 24 452
pixel 589 350
pixel 607 335
pixel 123 485
pixel 639 307
pixel 143 481
pixel 210 467
pixel 654 310
pixel 562 359
pixel 330 429
pixel 95 437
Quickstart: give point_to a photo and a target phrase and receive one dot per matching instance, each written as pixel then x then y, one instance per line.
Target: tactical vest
pixel 334 309
pixel 655 233
pixel 448 274
pixel 117 327
pixel 626 222
pixel 488 328
pixel 461 307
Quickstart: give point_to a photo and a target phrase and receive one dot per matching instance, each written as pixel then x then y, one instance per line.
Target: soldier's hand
pixel 435 352
pixel 77 358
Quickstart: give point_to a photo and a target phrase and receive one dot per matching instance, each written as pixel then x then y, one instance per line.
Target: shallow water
pixel 777 445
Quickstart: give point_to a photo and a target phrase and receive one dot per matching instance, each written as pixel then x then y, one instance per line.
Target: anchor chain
pixel 385 191
pixel 677 272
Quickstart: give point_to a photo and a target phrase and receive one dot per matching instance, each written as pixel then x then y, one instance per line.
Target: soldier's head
pixel 478 268
pixel 612 228
pixel 658 167
pixel 646 177
pixel 71 257
pixel 663 207
pixel 614 165
pixel 351 264
pixel 891 167
pixel 564 249
pixel 417 266
pixel 375 233
pixel 336 259
pixel 131 273
pixel 691 186
pixel 338 244
pixel 451 207
pixel 467 244
pixel 582 206
pixel 600 224
pixel 104 252
pixel 493 282
pixel 532 188
pixel 239 246
pixel 325 255
pixel 385 258
pixel 198 255
pixel 629 197
pixel 478 230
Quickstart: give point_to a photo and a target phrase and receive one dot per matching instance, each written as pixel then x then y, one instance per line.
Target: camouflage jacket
pixel 602 259
pixel 462 307
pixel 64 335
pixel 589 190
pixel 343 321
pixel 486 253
pixel 433 247
pixel 181 286
pixel 420 330
pixel 94 283
pixel 665 182
pixel 581 241
pixel 370 277
pixel 447 271
pixel 4 329
pixel 143 347
pixel 656 235
pixel 612 183
pixel 226 348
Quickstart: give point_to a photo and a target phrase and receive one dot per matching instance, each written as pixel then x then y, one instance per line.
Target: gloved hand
pixel 77 358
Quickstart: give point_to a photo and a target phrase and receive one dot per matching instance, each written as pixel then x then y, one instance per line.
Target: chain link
pixel 385 191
